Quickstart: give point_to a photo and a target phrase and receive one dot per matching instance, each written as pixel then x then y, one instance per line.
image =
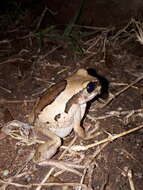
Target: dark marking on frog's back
pixel 72 100
pixel 50 95
pixel 57 117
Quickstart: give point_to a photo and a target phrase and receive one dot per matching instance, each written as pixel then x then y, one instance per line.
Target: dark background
pixel 94 12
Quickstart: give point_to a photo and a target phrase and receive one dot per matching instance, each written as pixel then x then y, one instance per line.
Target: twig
pixel 4 42
pixel 119 113
pixel 4 101
pixel 86 58
pixel 122 30
pixel 131 180
pixel 109 139
pixel 104 46
pixel 64 166
pixel 5 89
pixel 82 178
pixel 88 42
pixel 99 150
pixel 116 114
pixel 45 184
pixel 92 27
pixel 120 84
pixel 93 44
pixel 90 172
pixel 123 90
pixel 45 178
pixel 139 33
pixel 9 180
pixel 41 18
pixel 12 60
pixel 52 51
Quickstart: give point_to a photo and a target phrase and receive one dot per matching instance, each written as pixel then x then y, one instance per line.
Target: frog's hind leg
pixel 46 150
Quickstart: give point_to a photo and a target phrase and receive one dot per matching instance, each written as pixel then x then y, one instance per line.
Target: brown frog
pixel 61 109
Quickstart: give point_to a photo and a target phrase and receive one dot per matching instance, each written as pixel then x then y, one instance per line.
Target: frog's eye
pixel 90 87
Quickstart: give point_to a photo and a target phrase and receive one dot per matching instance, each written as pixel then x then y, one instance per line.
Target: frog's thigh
pixel 78 115
pixel 48 149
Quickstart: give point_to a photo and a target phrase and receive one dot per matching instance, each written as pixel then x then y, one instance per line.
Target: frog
pixel 59 110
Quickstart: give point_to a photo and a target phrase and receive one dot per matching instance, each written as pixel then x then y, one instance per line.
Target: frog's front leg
pixel 78 115
pixel 46 150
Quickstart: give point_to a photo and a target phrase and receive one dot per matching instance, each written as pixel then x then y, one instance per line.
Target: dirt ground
pixel 30 63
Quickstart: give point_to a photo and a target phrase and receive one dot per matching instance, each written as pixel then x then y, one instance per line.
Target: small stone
pixel 5 172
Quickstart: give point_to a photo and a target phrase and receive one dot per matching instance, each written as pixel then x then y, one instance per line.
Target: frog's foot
pixel 46 150
pixel 21 131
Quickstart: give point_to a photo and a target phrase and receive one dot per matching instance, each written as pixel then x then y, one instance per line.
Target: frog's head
pixel 84 86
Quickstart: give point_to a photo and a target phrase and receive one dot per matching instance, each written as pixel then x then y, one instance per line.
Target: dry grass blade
pixel 109 139
pixel 123 30
pixel 139 32
pixel 41 18
pixel 123 90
